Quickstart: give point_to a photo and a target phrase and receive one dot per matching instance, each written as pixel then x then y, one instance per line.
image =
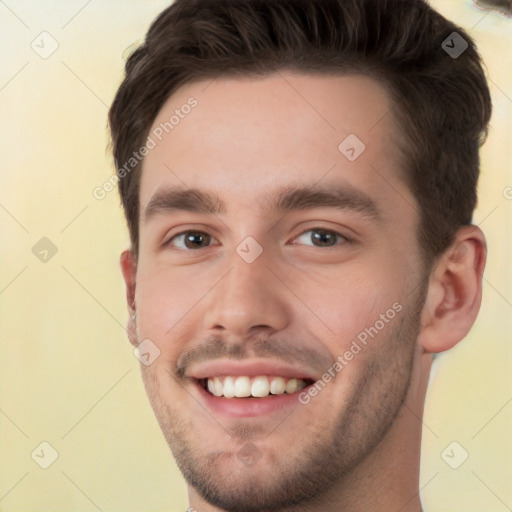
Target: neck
pixel 388 478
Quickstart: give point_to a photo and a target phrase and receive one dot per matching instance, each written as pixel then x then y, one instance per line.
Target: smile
pixel 260 386
pixel 249 388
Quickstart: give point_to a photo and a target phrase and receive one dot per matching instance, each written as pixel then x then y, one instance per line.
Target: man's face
pixel 277 284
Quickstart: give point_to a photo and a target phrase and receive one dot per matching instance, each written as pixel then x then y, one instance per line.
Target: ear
pixel 454 292
pixel 129 269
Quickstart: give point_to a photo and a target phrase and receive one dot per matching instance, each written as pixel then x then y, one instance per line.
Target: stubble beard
pixel 327 449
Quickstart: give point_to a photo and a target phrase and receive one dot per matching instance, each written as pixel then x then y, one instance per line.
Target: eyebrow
pixel 285 200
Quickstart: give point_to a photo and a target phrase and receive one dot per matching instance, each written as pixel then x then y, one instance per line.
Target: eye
pixel 190 240
pixel 323 237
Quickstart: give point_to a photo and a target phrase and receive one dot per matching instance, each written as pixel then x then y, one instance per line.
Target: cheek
pixel 166 294
pixel 165 300
pixel 351 301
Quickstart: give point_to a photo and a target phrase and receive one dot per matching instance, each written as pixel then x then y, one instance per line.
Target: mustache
pixel 277 349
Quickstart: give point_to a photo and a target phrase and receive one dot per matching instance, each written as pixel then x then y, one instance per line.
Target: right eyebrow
pixel 191 200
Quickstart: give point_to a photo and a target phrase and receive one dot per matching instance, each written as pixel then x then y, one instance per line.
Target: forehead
pixel 251 135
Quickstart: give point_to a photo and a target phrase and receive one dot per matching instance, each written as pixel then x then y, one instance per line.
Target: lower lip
pixel 248 407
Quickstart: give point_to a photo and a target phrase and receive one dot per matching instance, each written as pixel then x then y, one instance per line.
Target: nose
pixel 249 298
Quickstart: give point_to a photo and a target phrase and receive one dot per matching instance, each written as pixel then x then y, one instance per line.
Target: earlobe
pixel 454 291
pixel 129 270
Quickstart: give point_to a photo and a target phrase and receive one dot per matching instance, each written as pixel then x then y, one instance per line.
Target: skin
pixel 356 445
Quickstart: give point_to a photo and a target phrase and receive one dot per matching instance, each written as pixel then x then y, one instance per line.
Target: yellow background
pixel 68 374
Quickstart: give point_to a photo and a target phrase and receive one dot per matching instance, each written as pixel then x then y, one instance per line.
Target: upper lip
pixel 252 368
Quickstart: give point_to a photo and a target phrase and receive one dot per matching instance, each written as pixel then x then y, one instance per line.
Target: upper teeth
pixel 260 386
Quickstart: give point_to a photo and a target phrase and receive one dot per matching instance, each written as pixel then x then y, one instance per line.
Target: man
pixel 299 180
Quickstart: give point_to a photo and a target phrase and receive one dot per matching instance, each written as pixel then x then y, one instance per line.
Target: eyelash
pixel 344 240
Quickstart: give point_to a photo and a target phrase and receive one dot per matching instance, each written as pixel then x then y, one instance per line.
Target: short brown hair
pixel 441 102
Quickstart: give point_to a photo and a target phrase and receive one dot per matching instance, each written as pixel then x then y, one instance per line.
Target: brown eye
pixel 190 240
pixel 322 237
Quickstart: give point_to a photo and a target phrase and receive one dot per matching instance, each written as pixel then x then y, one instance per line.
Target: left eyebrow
pixel 340 198
pixel 285 200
